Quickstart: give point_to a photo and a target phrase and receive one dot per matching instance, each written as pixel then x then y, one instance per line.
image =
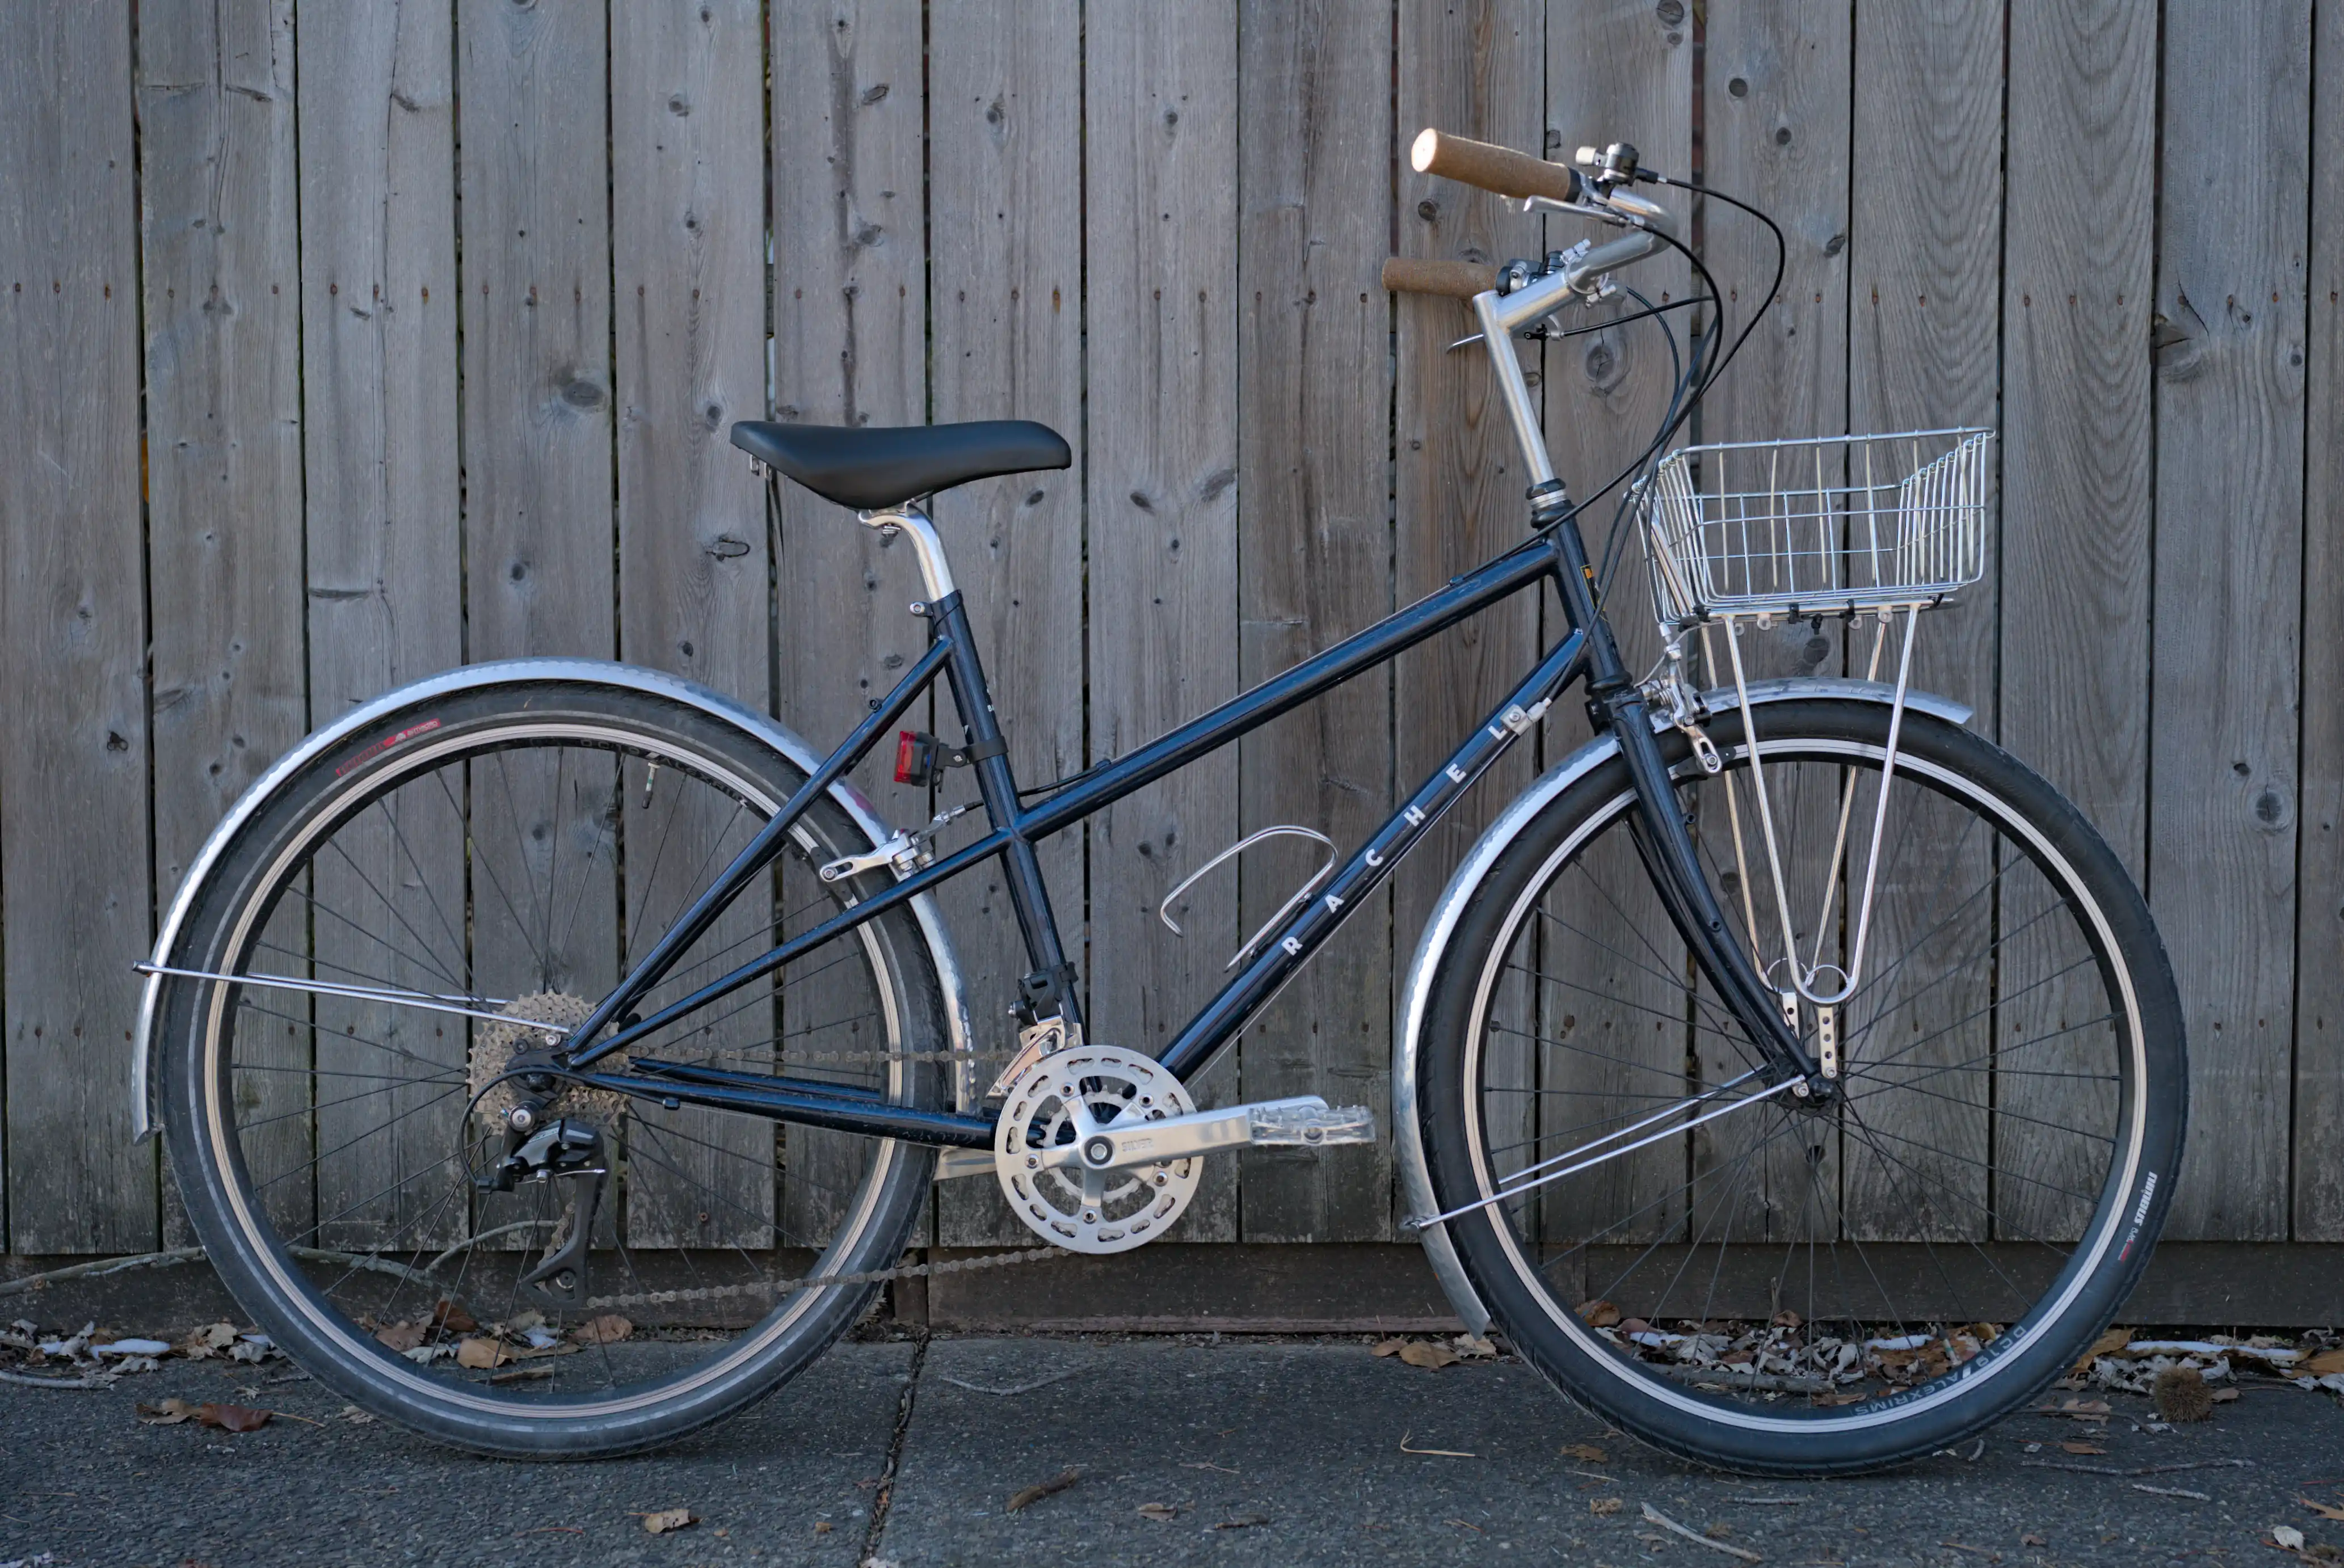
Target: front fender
pixel 146 1108
pixel 1432 946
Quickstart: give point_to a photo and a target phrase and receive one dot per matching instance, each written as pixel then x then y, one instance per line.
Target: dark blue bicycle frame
pixel 1555 554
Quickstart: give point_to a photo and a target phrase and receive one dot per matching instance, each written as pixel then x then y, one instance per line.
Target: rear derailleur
pixel 563 1149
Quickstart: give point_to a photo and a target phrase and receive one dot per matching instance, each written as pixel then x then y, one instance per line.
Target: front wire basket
pixel 1744 531
pixel 1829 524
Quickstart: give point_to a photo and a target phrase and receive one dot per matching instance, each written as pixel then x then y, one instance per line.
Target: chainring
pixel 1091 1211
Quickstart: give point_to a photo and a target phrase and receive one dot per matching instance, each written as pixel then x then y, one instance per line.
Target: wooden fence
pixel 339 349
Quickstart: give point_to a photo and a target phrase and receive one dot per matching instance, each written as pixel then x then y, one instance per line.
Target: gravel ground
pixel 1253 1450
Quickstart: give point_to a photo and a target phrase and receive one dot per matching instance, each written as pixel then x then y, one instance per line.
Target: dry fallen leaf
pixel 208 1341
pixel 480 1354
pixel 2321 1509
pixel 1040 1490
pixel 401 1337
pixel 1426 1354
pixel 2288 1536
pixel 2031 1541
pixel 2082 1448
pixel 1603 1505
pixel 607 1329
pixel 1387 1347
pixel 668 1519
pixel 2325 1362
pixel 1586 1450
pixel 822 1527
pixel 1787 1319
pixel 232 1417
pixel 2108 1343
pixel 1598 1314
pixel 1472 1347
pixel 454 1318
pixel 1162 1513
pixel 2225 1395
pixel 170 1413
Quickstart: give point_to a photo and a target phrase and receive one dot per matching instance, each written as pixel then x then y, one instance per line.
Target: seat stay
pixel 754 857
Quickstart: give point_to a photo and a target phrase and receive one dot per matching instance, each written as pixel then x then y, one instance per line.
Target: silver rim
pixel 266 1251
pixel 2003 1353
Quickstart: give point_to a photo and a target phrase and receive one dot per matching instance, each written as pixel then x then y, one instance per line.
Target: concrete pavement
pixel 1257 1450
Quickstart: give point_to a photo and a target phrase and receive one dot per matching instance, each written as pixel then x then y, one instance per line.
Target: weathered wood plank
pixel 1924 353
pixel 2226 602
pixel 1161 218
pixel 2319 1196
pixel 1314 537
pixel 687 111
pixel 378 124
pixel 379 369
pixel 1005 207
pixel 73 788
pixel 2078 264
pixel 534 181
pixel 850 322
pixel 1621 71
pixel 223 294
pixel 537 330
pixel 222 270
pixel 384 560
pixel 1777 115
pixel 1476 70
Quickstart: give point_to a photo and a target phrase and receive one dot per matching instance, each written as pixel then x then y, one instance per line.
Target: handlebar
pixel 1458 279
pixel 1498 169
pixel 1505 172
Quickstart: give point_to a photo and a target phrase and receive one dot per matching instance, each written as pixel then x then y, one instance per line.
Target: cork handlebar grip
pixel 1459 279
pixel 1494 168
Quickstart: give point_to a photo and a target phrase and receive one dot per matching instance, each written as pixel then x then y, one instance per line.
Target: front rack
pixel 1829 524
pixel 1738 533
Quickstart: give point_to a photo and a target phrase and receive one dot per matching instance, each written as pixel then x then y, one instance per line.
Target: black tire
pixel 1518 1255
pixel 316 1294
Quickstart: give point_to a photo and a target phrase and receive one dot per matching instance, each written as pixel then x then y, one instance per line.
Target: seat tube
pixel 996 783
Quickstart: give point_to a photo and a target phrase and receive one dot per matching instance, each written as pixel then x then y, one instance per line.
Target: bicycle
pixel 556 1055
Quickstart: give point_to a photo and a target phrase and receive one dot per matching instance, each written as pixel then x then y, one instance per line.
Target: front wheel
pixel 1792 1287
pixel 512 850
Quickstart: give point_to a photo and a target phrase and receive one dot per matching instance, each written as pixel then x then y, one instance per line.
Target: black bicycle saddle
pixel 871 468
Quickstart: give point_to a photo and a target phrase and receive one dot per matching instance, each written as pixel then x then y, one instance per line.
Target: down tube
pixel 1277 963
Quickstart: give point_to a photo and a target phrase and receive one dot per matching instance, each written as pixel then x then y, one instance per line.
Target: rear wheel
pixel 1788 1287
pixel 512 849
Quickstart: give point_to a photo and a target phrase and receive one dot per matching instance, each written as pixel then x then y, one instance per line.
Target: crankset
pixel 1100 1149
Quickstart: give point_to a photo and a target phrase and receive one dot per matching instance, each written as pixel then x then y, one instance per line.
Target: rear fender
pixel 146 1109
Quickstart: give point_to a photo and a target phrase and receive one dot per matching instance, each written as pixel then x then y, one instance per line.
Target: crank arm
pixel 1306 1120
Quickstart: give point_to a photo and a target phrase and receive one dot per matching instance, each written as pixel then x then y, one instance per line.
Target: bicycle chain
pixel 791 1059
pixel 777 1289
pixel 824 1281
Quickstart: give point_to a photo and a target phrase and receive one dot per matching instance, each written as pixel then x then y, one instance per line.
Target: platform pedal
pixel 1309 1126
